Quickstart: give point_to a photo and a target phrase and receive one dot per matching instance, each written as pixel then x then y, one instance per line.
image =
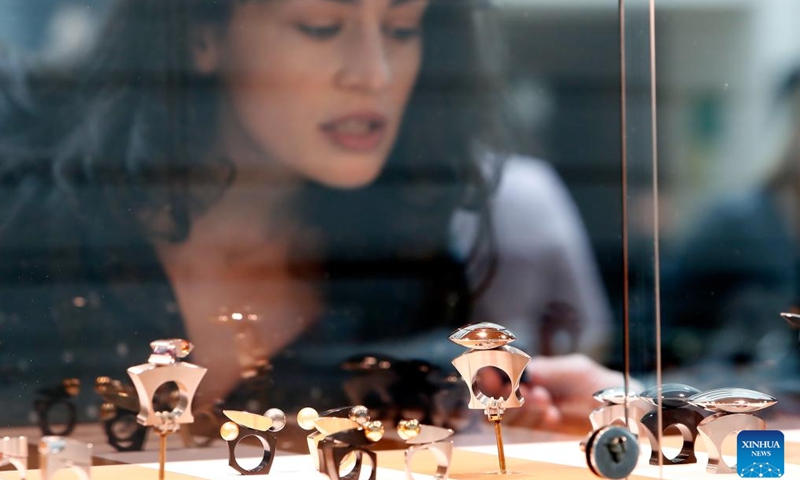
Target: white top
pixel 544 256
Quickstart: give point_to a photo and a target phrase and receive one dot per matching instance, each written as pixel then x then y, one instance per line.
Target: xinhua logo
pixel 759 454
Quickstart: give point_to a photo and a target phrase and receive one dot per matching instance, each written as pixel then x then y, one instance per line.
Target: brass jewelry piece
pixel 427 438
pixel 245 424
pixel 59 396
pixel 732 410
pixel 118 414
pixel 488 343
pixel 14 451
pixel 164 366
pixel 56 453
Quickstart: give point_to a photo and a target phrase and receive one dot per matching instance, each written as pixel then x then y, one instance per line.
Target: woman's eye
pixel 319 32
pixel 403 33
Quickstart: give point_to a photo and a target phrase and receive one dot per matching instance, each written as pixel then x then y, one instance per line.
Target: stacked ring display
pixel 245 424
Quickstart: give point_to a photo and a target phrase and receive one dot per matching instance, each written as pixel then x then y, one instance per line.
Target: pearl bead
pixel 306 418
pixel 229 431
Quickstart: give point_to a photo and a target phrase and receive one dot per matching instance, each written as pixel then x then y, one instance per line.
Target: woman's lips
pixel 361 132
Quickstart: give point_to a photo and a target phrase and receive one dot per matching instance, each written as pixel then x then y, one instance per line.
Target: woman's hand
pixel 558 393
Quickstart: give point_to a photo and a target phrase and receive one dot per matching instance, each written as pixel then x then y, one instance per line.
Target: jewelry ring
pixel 341 461
pixel 124 433
pixel 58 396
pixel 442 453
pixel 14 451
pixel 245 424
pixel 427 438
pixel 56 453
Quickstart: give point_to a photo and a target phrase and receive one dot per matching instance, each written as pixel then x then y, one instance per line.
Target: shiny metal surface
pixel 673 395
pixel 482 336
pixel 683 419
pixel 147 377
pixel 715 428
pixel 732 400
pixel 424 433
pixel 792 318
pixel 250 420
pixel 442 453
pixel 615 396
pixel 512 361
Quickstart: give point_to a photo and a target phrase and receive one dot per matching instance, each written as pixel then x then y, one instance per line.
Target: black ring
pixel 334 453
pixel 131 443
pixel 269 442
pixel 43 408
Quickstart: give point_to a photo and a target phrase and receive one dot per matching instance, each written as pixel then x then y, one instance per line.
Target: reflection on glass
pixel 290 185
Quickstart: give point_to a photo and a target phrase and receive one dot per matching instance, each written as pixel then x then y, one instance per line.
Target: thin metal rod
pixel 501 454
pixel 656 220
pixel 625 252
pixel 162 454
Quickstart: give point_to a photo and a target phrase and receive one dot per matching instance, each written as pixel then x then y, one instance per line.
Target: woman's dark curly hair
pixel 132 125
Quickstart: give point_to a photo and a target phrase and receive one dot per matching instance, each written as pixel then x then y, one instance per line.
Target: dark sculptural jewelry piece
pixel 57 397
pixel 243 425
pixel 676 412
pixel 118 414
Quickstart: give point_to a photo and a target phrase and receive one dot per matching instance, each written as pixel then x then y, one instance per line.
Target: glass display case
pixel 317 194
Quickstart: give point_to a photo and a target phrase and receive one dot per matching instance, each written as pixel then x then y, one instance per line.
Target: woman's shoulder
pixel 532 200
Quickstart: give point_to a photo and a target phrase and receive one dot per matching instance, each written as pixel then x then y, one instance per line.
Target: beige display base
pixel 479 466
pixel 109 472
pixel 466 465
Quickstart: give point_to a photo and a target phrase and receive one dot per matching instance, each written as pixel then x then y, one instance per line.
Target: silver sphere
pixel 359 414
pixel 278 419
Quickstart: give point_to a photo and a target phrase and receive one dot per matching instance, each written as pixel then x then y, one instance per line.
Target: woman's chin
pixel 350 178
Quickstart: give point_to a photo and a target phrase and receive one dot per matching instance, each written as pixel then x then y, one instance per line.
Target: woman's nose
pixel 365 61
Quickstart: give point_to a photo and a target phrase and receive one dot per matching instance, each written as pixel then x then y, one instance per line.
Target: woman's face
pixel 317 88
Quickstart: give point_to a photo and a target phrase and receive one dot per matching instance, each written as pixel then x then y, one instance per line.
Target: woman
pixel 294 167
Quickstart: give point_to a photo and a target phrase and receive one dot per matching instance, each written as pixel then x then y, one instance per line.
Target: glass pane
pixel 315 194
pixel 727 143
